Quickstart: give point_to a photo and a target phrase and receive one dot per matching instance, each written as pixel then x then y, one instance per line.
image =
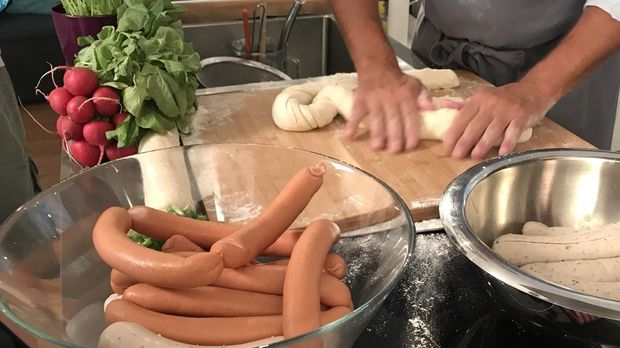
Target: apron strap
pixel 494 65
pixel 500 66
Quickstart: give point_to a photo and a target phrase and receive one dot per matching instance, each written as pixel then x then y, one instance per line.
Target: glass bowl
pixel 53 283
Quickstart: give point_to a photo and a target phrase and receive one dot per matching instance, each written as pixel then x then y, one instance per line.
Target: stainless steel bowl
pixel 565 187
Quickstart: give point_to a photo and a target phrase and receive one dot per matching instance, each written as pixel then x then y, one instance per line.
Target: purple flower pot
pixel 69 28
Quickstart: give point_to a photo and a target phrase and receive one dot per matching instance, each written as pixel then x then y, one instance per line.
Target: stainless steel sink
pixel 315 41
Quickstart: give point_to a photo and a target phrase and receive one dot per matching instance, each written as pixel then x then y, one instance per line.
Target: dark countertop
pixel 444 300
pixel 439 292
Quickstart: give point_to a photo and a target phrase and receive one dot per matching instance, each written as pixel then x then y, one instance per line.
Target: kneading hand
pixel 493 114
pixel 391 103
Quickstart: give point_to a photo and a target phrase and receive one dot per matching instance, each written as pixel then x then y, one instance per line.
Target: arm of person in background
pixel 496 112
pixel 386 98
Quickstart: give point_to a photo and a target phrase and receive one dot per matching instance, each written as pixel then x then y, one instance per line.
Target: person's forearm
pixel 595 37
pixel 360 24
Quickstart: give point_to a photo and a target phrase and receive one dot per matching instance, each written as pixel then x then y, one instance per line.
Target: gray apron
pixel 501 40
pixel 17 172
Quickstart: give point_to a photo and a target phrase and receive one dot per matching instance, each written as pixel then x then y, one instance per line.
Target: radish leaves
pixel 147 59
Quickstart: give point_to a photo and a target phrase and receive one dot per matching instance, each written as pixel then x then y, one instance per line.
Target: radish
pixel 78 81
pixel 94 132
pixel 58 121
pixel 68 129
pixel 58 99
pixel 85 154
pixel 80 110
pixel 114 152
pixel 107 102
pixel 119 118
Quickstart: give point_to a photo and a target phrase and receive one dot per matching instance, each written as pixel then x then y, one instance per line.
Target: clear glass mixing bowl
pixel 53 284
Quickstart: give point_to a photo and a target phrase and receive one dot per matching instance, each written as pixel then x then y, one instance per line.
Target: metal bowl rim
pixel 453 216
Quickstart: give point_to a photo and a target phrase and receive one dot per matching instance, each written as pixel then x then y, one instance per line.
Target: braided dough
pixel 315 104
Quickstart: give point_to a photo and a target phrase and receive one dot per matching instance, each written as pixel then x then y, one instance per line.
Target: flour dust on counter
pixel 206 118
pixel 421 311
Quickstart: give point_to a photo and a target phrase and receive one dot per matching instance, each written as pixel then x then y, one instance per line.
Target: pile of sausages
pixel 586 260
pixel 205 286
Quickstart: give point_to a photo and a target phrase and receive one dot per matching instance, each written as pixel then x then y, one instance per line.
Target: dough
pixel 314 105
pixel 435 78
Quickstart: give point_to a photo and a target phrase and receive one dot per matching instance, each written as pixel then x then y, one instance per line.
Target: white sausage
pixel 520 250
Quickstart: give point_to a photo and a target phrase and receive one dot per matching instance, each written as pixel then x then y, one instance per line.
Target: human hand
pixel 495 114
pixel 391 103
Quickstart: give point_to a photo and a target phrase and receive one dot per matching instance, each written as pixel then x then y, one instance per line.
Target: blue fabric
pixel 3 4
pixel 31 6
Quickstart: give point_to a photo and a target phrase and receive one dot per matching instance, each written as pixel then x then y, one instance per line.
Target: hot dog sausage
pixel 148 265
pixel 208 301
pixel 269 279
pixel 208 331
pixel 334 265
pixel 180 243
pixel 334 314
pixel 284 245
pixel 161 225
pixel 117 289
pixel 245 279
pixel 261 278
pixel 119 281
pixel 252 239
pixel 302 304
pixel 196 330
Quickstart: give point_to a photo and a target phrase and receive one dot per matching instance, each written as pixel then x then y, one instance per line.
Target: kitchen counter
pixel 444 300
pixel 243 115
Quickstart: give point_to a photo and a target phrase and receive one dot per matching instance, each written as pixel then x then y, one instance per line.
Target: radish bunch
pixel 86 111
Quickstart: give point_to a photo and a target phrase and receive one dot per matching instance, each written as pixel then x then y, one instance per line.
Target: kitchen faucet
pixel 288 24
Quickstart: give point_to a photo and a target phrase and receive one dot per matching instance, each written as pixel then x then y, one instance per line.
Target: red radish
pixel 80 81
pixel 119 118
pixel 68 129
pixel 58 99
pixel 85 154
pixel 106 101
pixel 94 132
pixel 80 110
pixel 114 152
pixel 58 121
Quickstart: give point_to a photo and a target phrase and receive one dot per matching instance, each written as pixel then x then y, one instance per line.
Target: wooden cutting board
pixel 419 176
